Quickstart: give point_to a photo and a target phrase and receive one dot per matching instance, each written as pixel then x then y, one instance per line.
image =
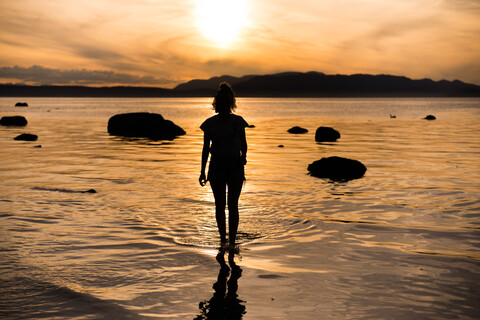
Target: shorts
pixel 226 168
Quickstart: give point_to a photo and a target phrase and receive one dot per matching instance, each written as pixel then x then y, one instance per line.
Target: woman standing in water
pixel 224 138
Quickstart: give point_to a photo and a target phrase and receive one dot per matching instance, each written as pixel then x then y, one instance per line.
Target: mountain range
pixel 287 84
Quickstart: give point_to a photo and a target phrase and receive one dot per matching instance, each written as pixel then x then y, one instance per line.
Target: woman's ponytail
pixel 224 100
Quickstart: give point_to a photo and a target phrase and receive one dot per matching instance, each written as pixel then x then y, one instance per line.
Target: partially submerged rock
pixel 26 137
pixel 21 104
pixel 326 134
pixel 430 117
pixel 64 190
pixel 143 124
pixel 337 168
pixel 13 121
pixel 297 130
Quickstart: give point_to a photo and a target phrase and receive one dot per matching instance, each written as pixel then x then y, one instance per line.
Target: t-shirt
pixel 225 133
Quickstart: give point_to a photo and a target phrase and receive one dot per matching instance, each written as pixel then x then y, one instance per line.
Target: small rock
pixel 26 137
pixel 90 191
pixel 337 168
pixel 13 121
pixel 21 104
pixel 39 146
pixel 430 117
pixel 269 276
pixel 297 130
pixel 326 134
pixel 281 146
pixel 251 126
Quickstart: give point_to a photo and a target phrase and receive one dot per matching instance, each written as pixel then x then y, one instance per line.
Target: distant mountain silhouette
pixel 315 84
pixel 80 91
pixel 287 84
pixel 210 84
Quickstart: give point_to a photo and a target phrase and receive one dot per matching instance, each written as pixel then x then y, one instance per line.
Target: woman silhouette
pixel 224 138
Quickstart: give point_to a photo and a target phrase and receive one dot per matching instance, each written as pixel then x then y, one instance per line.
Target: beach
pixel 402 242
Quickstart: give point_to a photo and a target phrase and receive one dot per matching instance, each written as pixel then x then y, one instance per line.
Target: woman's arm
pixel 205 153
pixel 243 146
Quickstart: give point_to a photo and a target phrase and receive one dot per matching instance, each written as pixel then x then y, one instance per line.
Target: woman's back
pixel 225 132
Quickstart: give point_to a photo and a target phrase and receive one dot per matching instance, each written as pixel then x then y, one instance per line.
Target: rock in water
pixel 26 137
pixel 326 134
pixel 143 124
pixel 430 117
pixel 13 121
pixel 337 168
pixel 297 130
pixel 21 104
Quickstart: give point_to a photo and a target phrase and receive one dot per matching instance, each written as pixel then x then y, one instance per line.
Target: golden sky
pixel 165 42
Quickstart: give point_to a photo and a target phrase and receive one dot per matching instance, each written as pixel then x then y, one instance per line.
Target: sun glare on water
pixel 221 21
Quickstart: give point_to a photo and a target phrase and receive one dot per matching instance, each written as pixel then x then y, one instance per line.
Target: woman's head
pixel 224 101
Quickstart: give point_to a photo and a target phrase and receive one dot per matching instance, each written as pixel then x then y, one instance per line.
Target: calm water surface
pixel 400 243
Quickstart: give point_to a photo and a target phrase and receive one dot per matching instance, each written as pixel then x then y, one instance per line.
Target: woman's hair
pixel 224 100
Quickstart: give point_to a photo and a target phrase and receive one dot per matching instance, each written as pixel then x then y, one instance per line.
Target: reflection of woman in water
pixel 224 139
pixel 224 303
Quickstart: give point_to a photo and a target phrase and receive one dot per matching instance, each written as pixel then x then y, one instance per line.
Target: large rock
pixel 13 121
pixel 26 137
pixel 297 130
pixel 143 124
pixel 326 134
pixel 337 168
pixel 21 104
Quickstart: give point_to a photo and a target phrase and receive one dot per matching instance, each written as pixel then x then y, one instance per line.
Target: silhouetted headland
pixel 287 84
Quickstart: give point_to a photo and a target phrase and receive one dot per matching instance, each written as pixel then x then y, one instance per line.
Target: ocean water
pixel 400 243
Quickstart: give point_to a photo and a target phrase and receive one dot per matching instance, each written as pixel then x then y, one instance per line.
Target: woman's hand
pixel 202 179
pixel 244 160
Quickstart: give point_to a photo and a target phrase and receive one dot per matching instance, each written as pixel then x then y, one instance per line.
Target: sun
pixel 221 21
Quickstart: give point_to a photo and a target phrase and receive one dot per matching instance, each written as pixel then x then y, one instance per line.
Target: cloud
pixel 468 6
pixel 42 75
pixel 156 42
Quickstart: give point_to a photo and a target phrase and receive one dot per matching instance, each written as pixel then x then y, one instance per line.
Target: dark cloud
pixel 43 75
pixel 468 6
pixel 231 67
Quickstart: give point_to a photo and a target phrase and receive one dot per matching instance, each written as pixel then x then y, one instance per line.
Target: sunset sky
pixel 162 43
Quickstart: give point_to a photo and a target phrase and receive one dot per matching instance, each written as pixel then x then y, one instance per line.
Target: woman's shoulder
pixel 207 123
pixel 239 119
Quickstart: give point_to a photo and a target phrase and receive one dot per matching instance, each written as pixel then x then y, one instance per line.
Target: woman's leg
pixel 220 194
pixel 234 190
